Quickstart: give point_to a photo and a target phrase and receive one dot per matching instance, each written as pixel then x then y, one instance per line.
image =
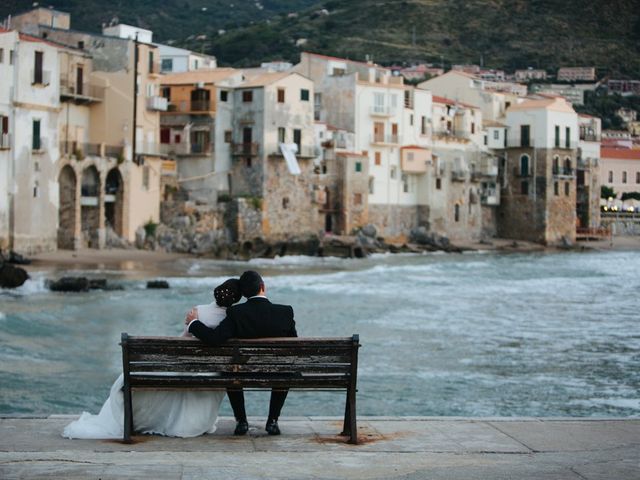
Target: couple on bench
pixel 193 413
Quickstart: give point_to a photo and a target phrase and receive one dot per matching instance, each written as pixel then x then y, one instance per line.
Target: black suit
pixel 256 318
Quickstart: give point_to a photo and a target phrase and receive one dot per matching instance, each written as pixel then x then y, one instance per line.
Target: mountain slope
pixel 499 33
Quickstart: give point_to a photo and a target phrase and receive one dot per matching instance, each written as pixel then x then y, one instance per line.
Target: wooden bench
pixel 256 364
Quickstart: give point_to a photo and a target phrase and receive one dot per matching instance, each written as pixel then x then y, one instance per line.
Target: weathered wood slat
pixel 239 368
pixel 244 341
pixel 205 351
pixel 308 382
pixel 269 359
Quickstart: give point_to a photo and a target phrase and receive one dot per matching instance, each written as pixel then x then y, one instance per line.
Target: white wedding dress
pixel 164 412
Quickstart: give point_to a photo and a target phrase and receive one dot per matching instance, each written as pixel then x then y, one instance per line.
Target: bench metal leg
pixel 346 426
pixel 128 414
pixel 353 428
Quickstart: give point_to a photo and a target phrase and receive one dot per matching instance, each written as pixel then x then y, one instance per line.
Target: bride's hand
pixel 191 315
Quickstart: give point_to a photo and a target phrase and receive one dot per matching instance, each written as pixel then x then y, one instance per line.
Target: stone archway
pixel 67 220
pixel 114 201
pixel 90 207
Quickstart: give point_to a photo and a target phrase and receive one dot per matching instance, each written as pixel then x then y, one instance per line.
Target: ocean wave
pixel 34 285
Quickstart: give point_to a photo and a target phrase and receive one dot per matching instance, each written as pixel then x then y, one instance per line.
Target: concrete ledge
pixel 391 447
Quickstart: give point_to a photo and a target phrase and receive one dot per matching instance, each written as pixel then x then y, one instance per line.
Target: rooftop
pixel 206 76
pixel 620 153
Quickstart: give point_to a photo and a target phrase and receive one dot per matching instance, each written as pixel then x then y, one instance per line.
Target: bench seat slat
pixel 320 341
pixel 238 359
pixel 203 350
pixel 306 382
pixel 238 368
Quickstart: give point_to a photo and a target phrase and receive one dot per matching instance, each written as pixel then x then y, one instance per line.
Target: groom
pixel 255 318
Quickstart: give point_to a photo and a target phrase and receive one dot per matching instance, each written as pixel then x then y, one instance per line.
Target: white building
pixel 177 60
pixel 29 107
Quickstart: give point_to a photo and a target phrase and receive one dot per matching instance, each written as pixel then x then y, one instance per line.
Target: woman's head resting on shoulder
pixel 227 293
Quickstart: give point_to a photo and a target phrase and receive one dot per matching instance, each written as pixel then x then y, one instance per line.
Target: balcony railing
pixel 149 148
pixel 156 103
pixel 382 111
pixel 385 139
pixel 82 93
pixel 452 134
pixel 192 106
pixel 244 149
pixel 5 141
pixel 81 150
pixel 563 172
pixel 114 151
pixel 587 137
pixel 459 175
pixel 200 105
pixel 40 77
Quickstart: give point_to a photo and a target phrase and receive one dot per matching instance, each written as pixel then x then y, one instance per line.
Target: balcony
pixel 563 172
pixel 382 111
pixel 81 150
pixel 114 151
pixel 488 171
pixel 193 106
pixel 244 149
pixel 459 175
pixel 452 135
pixel 5 141
pixel 589 137
pixel 40 77
pixel 150 149
pixel 155 103
pixel 385 139
pixel 83 93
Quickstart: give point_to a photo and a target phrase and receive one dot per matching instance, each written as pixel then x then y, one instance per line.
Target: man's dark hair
pixel 250 283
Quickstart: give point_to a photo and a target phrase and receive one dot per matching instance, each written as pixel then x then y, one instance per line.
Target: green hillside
pixel 505 34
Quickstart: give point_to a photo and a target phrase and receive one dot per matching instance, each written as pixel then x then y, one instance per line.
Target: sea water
pixel 554 334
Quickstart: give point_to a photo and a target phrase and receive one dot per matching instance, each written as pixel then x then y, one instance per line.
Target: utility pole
pixel 135 98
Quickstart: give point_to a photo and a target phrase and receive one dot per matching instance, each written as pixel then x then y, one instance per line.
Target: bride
pixel 163 412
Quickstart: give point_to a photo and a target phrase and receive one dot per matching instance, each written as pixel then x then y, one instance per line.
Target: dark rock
pixel 18 259
pixel 157 284
pixel 98 284
pixel 70 284
pixel 369 231
pixel 12 277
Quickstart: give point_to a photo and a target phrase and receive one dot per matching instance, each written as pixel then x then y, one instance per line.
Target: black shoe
pixel 242 427
pixel 272 427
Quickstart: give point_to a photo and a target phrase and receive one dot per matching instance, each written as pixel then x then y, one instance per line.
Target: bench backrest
pixel 175 362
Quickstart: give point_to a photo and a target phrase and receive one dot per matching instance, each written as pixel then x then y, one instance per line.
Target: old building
pixel 29 110
pixel 573 74
pixel 538 201
pixel 530 74
pixel 620 169
pixel 272 157
pixel 588 172
pixel 108 126
pixel 196 129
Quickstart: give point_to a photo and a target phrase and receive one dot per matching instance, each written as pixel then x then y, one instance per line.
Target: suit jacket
pixel 256 318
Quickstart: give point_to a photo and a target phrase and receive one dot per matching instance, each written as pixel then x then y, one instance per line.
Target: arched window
pixel 556 165
pixel 524 166
pixel 456 212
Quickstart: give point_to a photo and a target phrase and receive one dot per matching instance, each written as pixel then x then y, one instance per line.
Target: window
pixel 567 138
pixel 496 134
pixel 473 128
pixel 304 95
pixel 36 142
pixel 486 140
pixel 281 134
pixel 624 177
pixel 80 45
pixel 555 169
pixel 567 188
pixel 637 175
pixel 610 177
pixel 196 64
pixel 411 120
pixel 392 172
pixel 150 62
pixel 11 54
pixel 247 96
pixel 166 92
pixel 525 141
pixel 378 102
pixel 165 135
pixel 227 136
pixel 1 55
pixel 423 125
pixel 410 156
pixel 405 183
pixel 524 166
pixel 358 166
pixel 557 136
pixel 438 184
pixel 377 158
pixel 317 105
pixel 297 139
pixel 4 124
pixel 371 188
pixel 38 76
pixel 357 199
pixel 281 95
pixel 285 203
pixel 224 95
pixel 145 178
pixel 524 188
pixel 456 212
pixel 338 72
pixel 36 189
pixel 567 167
pixel 556 189
pixel 166 65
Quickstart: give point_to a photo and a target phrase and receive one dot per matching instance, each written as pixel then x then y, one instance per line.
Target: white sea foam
pixel 2 316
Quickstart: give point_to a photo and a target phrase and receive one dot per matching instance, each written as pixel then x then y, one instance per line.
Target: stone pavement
pixel 391 447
